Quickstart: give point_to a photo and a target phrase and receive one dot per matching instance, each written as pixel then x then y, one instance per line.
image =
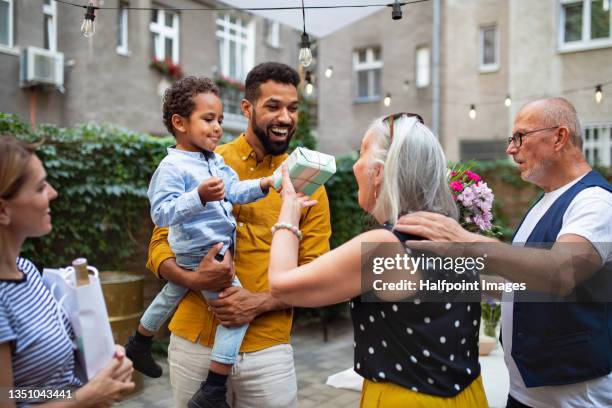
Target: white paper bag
pixel 86 310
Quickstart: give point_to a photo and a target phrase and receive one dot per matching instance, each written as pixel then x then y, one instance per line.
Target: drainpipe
pixel 435 109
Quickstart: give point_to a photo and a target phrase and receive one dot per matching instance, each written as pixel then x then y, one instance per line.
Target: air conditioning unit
pixel 41 67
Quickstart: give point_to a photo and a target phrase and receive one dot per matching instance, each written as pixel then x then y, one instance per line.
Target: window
pixel 165 29
pixel 6 23
pixel 50 25
pixel 584 24
pixel 597 143
pixel 122 29
pixel 272 33
pixel 489 49
pixel 422 67
pixel 482 149
pixel 236 48
pixel 367 64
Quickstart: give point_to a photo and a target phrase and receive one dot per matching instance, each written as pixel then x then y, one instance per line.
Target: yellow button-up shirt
pixel 192 320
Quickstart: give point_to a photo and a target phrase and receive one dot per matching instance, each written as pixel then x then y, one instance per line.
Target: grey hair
pixel 415 170
pixel 560 112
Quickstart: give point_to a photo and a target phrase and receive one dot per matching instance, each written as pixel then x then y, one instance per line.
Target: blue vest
pixel 555 343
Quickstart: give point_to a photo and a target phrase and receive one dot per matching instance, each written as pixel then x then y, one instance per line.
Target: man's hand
pixel 237 306
pixel 210 274
pixel 434 227
pixel 211 189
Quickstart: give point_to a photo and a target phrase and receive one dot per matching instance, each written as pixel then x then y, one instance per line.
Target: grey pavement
pixel 315 360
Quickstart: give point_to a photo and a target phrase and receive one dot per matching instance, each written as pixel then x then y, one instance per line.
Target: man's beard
pixel 270 147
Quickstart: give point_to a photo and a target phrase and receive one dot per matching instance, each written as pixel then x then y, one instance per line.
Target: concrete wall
pixel 462 82
pixel 341 121
pixel 543 70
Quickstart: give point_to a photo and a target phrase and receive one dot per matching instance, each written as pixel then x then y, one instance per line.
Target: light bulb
pixel 396 13
pixel 508 101
pixel 598 94
pixel 305 57
pixel 329 72
pixel 473 112
pixel 387 100
pixel 309 89
pixel 88 27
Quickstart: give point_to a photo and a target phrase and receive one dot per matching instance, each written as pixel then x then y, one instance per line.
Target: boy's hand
pixel 211 189
pixel 266 183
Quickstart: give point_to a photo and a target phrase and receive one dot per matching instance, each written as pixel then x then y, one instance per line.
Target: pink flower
pixel 473 176
pixel 456 185
pixel 453 173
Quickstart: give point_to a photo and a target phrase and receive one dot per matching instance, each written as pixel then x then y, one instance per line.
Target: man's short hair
pixel 178 99
pixel 269 71
pixel 560 112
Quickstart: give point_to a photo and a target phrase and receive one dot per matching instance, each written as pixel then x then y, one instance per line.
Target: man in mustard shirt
pixel 264 375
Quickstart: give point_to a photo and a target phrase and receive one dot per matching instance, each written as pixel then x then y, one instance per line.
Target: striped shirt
pixel 42 351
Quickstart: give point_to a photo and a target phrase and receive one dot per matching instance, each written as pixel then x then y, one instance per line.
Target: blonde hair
pixel 415 170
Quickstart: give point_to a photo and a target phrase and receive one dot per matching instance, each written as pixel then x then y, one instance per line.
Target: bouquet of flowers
pixel 491 313
pixel 474 199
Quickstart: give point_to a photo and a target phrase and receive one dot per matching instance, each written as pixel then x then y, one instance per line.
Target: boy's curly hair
pixel 178 99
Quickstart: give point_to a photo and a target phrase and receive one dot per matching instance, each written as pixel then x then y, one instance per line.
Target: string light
pixel 396 13
pixel 305 57
pixel 508 101
pixel 472 112
pixel 598 94
pixel 329 72
pixel 387 100
pixel 88 28
pixel 309 86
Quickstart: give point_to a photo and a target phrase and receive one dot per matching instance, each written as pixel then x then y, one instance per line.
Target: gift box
pixel 308 170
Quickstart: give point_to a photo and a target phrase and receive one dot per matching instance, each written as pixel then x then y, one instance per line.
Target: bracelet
pixel 287 226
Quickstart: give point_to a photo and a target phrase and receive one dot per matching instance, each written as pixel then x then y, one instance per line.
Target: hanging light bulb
pixel 508 101
pixel 598 94
pixel 387 100
pixel 396 13
pixel 305 56
pixel 309 88
pixel 329 72
pixel 472 112
pixel 88 27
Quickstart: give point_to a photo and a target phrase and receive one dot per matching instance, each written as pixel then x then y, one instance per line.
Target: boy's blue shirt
pixel 175 202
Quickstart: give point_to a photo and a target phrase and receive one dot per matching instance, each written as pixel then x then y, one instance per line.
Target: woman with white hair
pixel 415 352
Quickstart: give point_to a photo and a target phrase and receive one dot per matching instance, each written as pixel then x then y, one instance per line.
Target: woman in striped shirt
pixel 35 350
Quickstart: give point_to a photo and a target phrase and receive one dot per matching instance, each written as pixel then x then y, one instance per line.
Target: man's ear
pixel 245 107
pixel 5 218
pixel 178 122
pixel 562 138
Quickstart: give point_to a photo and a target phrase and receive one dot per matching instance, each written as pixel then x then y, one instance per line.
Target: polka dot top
pixel 424 346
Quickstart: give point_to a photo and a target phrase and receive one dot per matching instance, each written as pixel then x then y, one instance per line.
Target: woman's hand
pixel 292 202
pixel 109 385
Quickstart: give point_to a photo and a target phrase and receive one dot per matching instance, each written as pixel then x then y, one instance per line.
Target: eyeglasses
pixel 517 137
pixel 391 118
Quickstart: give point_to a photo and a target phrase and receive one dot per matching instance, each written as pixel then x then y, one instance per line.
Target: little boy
pixel 192 192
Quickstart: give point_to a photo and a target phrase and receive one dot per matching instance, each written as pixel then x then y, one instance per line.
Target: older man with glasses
pixel 556 334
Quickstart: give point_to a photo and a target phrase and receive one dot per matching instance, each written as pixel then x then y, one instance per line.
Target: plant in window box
pixel 168 68
pixel 224 82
